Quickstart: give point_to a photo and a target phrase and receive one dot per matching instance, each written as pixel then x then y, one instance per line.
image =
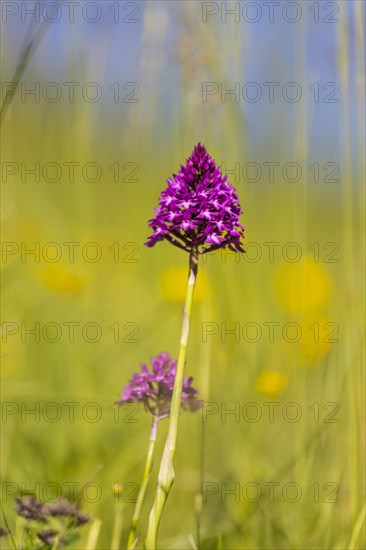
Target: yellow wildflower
pixel 271 383
pixel 303 286
pixel 60 279
pixel 318 333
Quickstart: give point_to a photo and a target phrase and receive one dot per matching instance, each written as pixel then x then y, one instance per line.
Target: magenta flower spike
pixel 199 210
pixel 154 389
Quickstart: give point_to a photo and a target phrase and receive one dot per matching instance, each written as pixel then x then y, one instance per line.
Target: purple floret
pixel 199 210
pixel 155 388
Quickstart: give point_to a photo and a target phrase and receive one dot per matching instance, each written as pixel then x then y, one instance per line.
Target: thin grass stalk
pixel 348 251
pixel 117 529
pixel 145 480
pixel 93 535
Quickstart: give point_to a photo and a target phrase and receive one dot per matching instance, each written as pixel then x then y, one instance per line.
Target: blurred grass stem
pixel 144 484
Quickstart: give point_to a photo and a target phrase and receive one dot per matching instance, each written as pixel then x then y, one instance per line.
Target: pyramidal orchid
pixel 154 389
pixel 198 212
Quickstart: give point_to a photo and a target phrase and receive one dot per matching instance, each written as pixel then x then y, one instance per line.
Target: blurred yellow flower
pixel 174 284
pixel 317 335
pixel 60 279
pixel 303 286
pixel 271 383
pixel 312 340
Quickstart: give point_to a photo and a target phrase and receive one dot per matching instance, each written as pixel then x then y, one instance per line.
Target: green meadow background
pixel 133 295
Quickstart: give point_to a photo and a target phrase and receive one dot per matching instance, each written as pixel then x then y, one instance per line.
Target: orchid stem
pixel 166 473
pixel 145 480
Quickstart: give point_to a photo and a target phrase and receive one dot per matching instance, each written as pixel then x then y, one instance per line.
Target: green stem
pixel 166 472
pixel 145 480
pixel 117 528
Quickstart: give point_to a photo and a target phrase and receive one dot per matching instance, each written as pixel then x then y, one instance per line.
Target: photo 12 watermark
pixel 70 11
pixel 272 11
pixel 69 412
pixel 252 332
pixel 253 412
pixel 271 491
pixel 273 251
pixel 69 171
pixel 90 492
pixel 70 252
pixel 69 332
pixel 273 171
pixel 70 92
pixel 270 92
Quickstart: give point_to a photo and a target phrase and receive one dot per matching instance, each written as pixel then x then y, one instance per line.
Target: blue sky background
pixel 147 51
